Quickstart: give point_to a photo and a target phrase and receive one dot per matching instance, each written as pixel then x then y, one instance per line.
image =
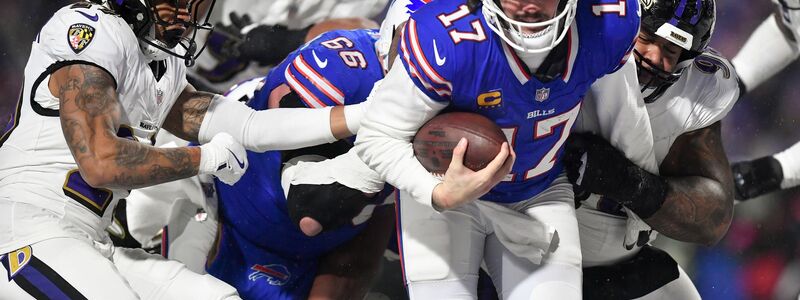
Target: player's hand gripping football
pixel 224 158
pixel 461 185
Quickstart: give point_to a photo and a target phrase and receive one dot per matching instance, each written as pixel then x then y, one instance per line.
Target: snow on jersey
pixel 36 165
pixel 452 56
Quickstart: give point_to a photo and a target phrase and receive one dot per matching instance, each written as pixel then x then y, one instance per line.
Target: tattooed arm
pixel 90 116
pixel 187 113
pixel 198 116
pixel 699 203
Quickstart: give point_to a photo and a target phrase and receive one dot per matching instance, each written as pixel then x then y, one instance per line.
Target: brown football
pixel 434 142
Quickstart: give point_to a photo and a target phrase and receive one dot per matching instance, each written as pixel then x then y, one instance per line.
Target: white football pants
pixel 531 248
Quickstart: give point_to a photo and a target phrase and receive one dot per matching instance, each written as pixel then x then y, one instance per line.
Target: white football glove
pixel 224 158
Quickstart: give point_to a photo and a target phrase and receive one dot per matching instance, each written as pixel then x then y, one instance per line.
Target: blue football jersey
pixel 256 207
pixel 453 56
pixel 338 67
pixel 260 251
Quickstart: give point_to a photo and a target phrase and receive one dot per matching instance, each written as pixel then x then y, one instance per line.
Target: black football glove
pixel 593 165
pixel 332 205
pixel 269 44
pixel 756 177
pixel 223 44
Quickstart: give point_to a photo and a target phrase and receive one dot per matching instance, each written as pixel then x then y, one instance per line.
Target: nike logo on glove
pixel 93 18
pixel 439 60
pixel 241 164
pixel 321 63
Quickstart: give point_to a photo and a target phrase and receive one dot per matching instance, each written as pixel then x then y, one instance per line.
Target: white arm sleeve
pixel 790 163
pixel 618 113
pixel 753 64
pixel 264 130
pixel 397 110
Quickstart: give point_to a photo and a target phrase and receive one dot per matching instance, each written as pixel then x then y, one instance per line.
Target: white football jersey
pixel 703 95
pixel 297 14
pixel 36 166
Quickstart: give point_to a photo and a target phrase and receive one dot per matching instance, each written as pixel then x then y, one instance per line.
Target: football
pixel 434 142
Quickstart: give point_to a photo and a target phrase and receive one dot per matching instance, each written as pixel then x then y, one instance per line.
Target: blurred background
pixel 760 256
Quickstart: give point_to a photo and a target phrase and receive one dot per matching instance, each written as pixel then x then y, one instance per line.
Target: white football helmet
pixel 548 33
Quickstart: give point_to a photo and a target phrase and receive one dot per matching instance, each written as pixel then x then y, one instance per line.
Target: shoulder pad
pixel 714 75
pixel 610 25
pixel 434 39
pixel 316 70
pixel 88 33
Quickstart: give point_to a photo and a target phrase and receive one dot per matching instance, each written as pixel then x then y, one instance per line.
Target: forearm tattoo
pixel 90 114
pixel 187 115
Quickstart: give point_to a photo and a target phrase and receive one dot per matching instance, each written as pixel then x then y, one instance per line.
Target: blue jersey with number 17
pixel 453 56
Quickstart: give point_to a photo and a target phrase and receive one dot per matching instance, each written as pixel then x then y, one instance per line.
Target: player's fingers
pixel 512 157
pixel 309 226
pixel 507 165
pixel 235 20
pixel 457 160
pixel 246 20
pixel 498 160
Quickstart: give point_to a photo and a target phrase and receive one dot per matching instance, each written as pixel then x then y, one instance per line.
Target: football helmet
pixel 546 34
pixel 141 16
pixel 688 24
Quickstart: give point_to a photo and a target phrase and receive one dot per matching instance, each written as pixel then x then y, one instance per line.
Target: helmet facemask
pixel 142 16
pixel 659 80
pixel 688 24
pixel 530 37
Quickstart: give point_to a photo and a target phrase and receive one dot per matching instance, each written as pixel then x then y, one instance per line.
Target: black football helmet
pixel 140 15
pixel 686 23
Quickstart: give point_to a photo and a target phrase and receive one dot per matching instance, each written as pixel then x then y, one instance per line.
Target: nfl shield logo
pixel 159 96
pixel 542 94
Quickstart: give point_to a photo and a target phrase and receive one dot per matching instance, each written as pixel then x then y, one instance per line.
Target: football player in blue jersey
pixel 526 65
pixel 260 249
pixel 283 261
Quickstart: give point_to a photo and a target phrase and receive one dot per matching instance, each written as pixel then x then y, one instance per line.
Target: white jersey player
pixel 688 89
pixel 101 80
pixel 780 32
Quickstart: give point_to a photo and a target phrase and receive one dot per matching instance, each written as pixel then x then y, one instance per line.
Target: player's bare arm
pixel 348 271
pixel 90 116
pixel 199 116
pixel 187 113
pixel 699 204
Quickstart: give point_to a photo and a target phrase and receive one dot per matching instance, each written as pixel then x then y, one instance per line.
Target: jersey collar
pixel 558 63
